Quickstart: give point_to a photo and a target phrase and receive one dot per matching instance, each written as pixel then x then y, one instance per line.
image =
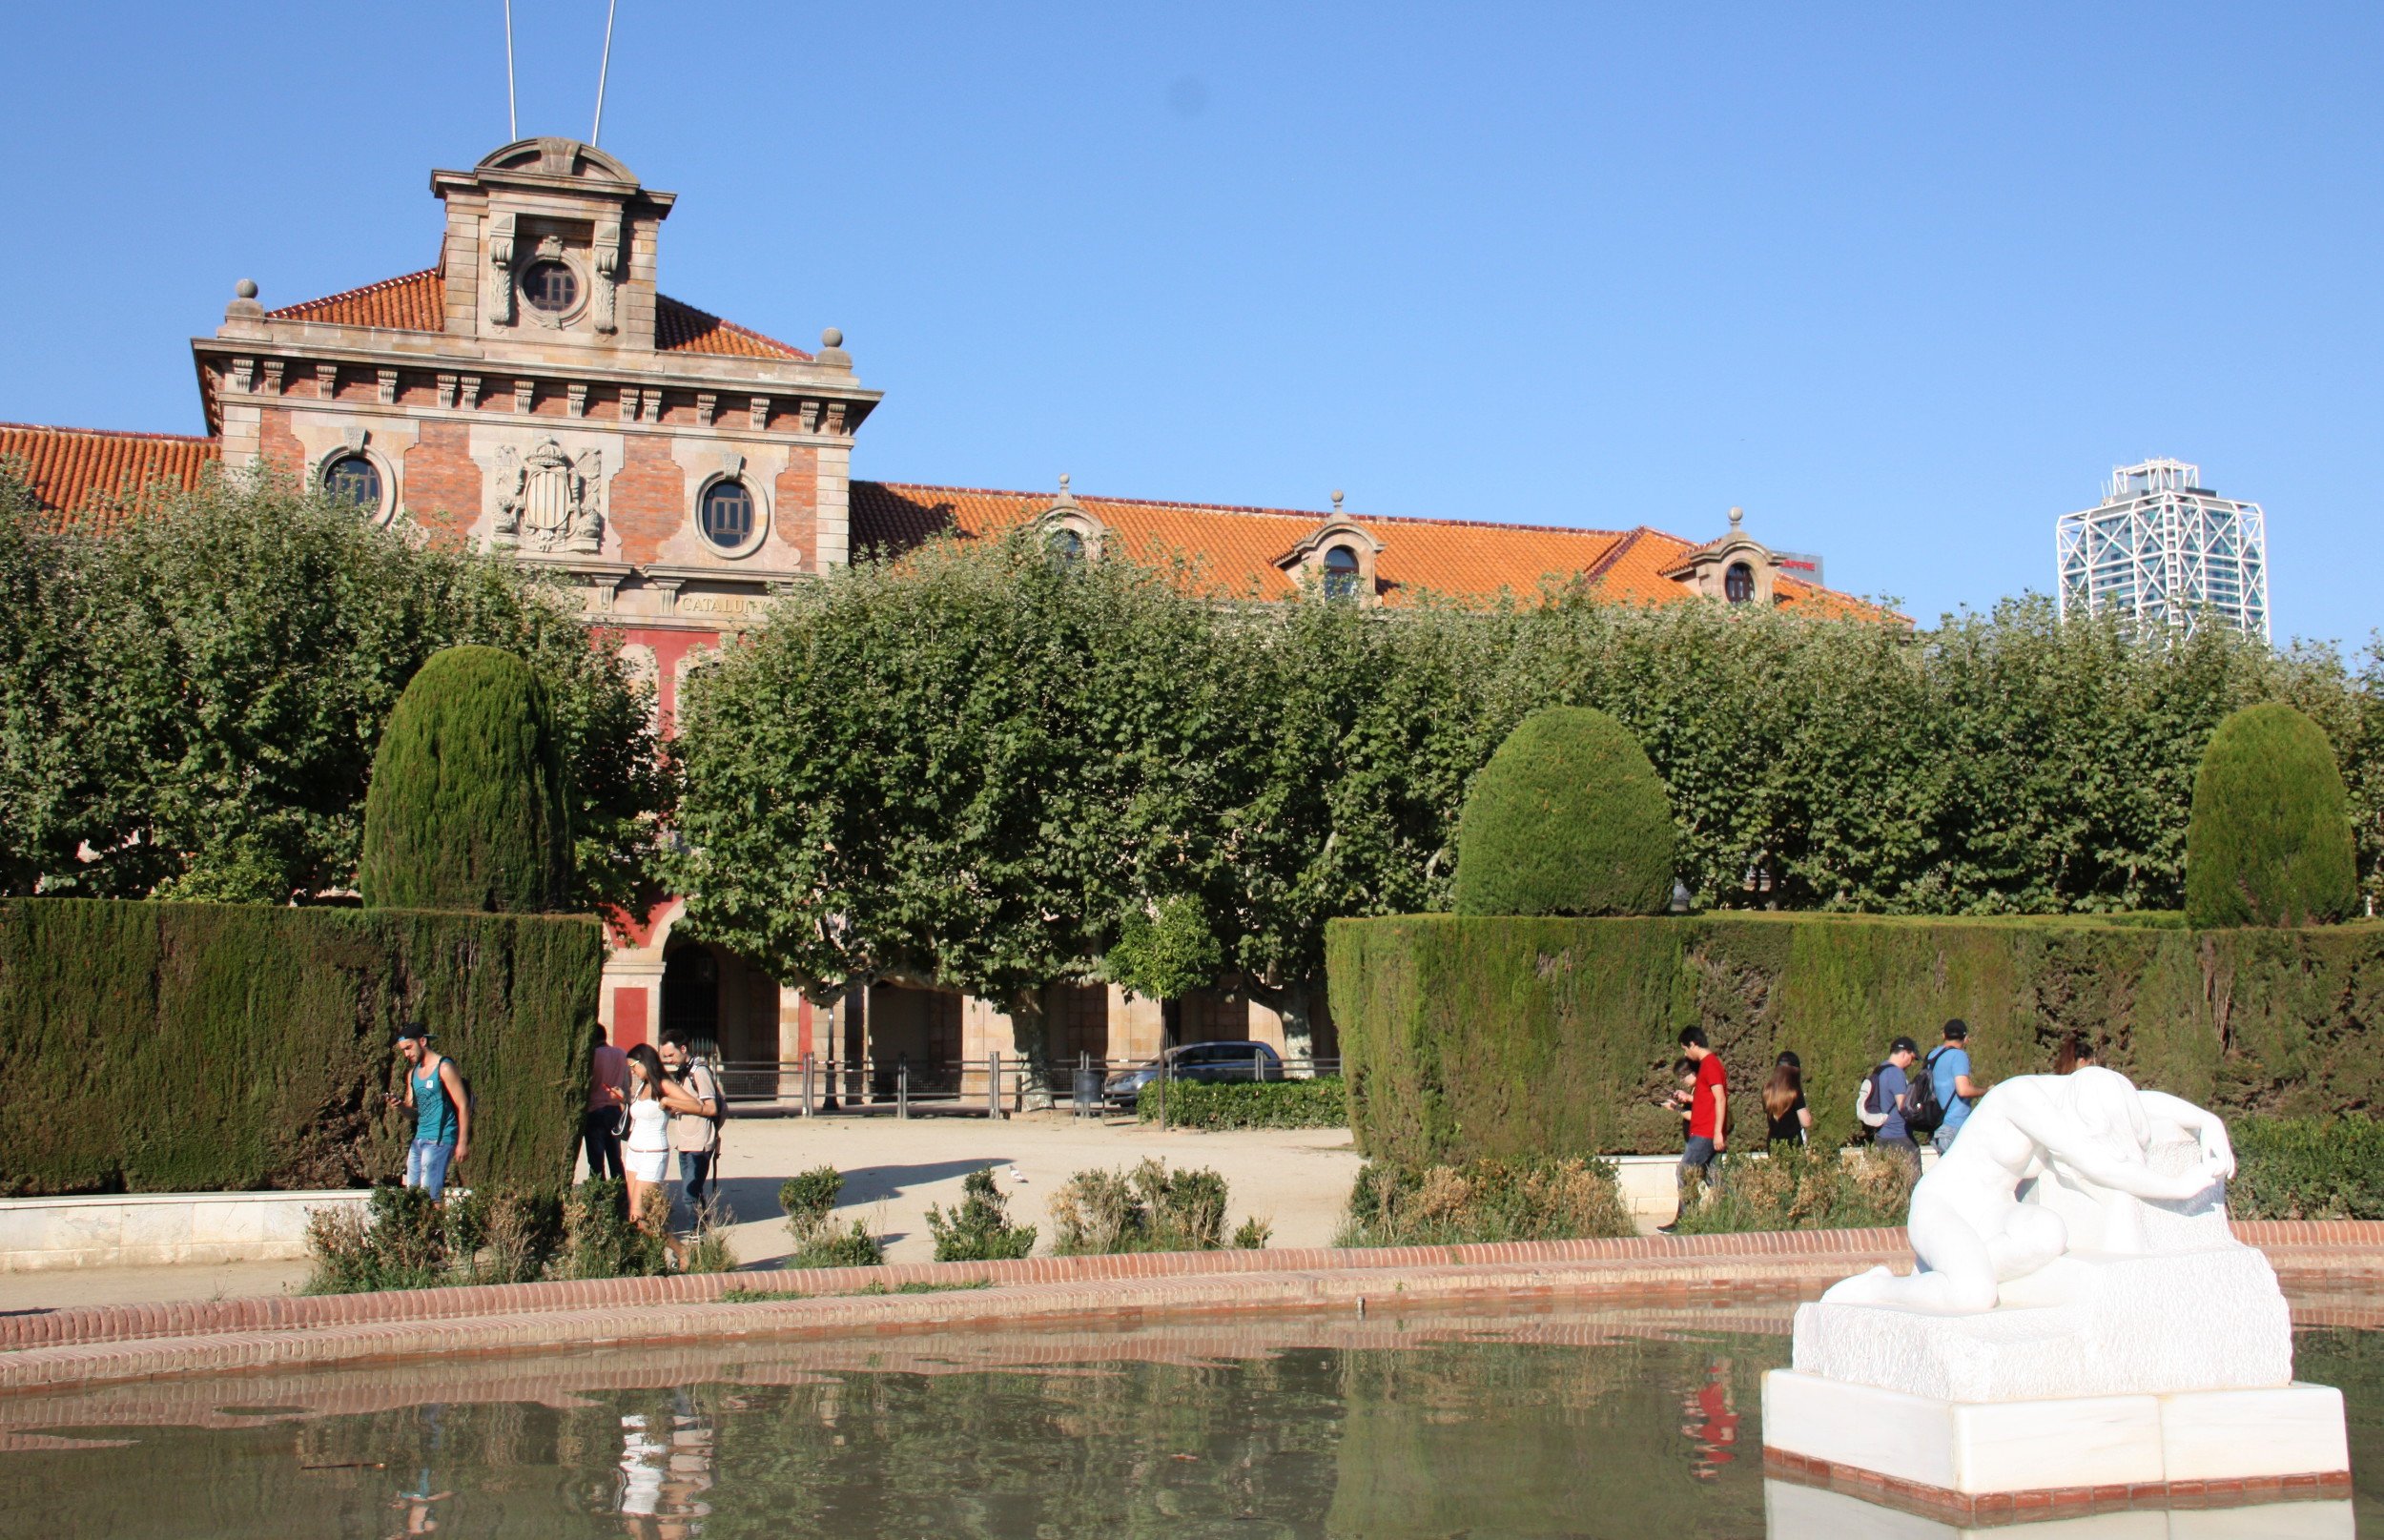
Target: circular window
pixel 353 479
pixel 550 286
pixel 726 519
pixel 1340 573
pixel 1739 582
pixel 1064 546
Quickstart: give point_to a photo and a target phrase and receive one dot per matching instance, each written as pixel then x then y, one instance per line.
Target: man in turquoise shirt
pixel 1949 1073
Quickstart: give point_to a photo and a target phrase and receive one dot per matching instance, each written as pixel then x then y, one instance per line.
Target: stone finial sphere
pixel 245 289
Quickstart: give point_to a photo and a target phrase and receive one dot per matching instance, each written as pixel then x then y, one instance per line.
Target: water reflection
pixel 1615 1423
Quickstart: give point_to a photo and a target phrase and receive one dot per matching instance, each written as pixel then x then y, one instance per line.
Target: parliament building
pixel 534 392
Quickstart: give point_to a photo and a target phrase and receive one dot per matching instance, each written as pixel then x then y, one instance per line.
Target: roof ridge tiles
pixel 1304 515
pixel 109 433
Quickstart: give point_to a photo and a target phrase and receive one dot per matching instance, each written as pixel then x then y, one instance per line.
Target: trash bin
pixel 1088 1092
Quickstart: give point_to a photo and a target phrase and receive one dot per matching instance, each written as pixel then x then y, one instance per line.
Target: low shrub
pixel 1322 1102
pixel 1149 1208
pixel 979 1229
pixel 2308 1168
pixel 810 1199
pixel 1484 1201
pixel 598 1241
pixel 707 1248
pixel 1802 1189
pixel 1253 1234
pixel 404 1240
pixel 830 1247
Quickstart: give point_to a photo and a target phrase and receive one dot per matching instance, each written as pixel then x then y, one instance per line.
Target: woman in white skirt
pixel 649 1150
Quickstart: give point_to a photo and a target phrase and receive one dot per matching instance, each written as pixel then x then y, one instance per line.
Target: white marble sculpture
pixel 2081 1316
pixel 2092 1131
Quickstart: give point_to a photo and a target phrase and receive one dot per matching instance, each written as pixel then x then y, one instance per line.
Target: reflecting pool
pixel 1615 1422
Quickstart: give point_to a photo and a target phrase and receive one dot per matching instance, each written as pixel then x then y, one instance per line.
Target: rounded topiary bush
pixel 466 809
pixel 1566 818
pixel 2271 841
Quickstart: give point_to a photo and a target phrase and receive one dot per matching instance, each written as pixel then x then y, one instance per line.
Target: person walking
pixel 1886 1093
pixel 692 1094
pixel 1949 1076
pixel 1790 1120
pixel 606 1116
pixel 1708 1121
pixel 442 1111
pixel 649 1152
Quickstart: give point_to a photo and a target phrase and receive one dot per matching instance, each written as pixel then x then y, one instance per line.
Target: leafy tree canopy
pixel 190 701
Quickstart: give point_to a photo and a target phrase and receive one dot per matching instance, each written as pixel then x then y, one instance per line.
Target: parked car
pixel 1197 1061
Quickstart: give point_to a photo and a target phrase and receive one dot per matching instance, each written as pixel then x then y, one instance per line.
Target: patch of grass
pixel 762 1296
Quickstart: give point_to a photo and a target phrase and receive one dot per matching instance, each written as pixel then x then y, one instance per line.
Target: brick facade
pixel 442 482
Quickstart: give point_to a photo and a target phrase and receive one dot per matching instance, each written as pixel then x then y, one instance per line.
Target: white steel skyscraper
pixel 2164 548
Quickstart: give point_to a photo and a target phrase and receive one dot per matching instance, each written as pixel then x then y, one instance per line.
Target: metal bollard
pixel 902 1086
pixel 993 1085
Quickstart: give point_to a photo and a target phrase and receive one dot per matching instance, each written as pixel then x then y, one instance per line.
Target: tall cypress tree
pixel 2271 841
pixel 466 809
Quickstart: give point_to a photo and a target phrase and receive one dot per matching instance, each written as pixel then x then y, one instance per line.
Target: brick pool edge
pixel 78 1346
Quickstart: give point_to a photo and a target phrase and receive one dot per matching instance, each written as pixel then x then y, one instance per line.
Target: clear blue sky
pixel 1905 280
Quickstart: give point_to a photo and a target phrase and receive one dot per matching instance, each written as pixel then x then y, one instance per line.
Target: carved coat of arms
pixel 548 501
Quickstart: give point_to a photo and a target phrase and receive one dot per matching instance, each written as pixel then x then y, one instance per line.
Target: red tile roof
pixel 1237 548
pixel 417 302
pixel 682 328
pixel 93 477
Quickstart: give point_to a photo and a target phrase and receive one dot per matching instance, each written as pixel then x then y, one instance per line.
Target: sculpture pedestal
pixel 1983 1458
pixel 1795 1512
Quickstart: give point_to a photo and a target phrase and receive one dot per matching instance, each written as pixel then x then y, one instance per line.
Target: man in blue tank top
pixel 442 1111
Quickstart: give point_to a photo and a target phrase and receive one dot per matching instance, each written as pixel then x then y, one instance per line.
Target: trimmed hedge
pixel 2308 1168
pixel 1566 818
pixel 466 809
pixel 1321 1102
pixel 162 1047
pixel 1510 1038
pixel 2270 840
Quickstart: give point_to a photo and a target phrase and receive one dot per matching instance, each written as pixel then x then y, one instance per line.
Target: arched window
pixel 727 518
pixel 550 286
pixel 353 479
pixel 1064 546
pixel 1340 573
pixel 1739 582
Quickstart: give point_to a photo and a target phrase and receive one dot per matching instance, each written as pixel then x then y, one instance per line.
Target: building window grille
pixel 353 479
pixel 1739 582
pixel 1340 573
pixel 726 519
pixel 550 287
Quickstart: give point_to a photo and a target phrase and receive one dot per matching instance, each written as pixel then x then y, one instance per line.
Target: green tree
pixel 2271 842
pixel 1166 951
pixel 466 809
pixel 191 704
pixel 1566 818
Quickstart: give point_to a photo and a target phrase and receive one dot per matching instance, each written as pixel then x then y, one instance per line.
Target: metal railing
pixel 999 1086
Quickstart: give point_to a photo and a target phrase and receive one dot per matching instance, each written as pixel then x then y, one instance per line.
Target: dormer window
pixel 1739 582
pixel 1341 571
pixel 1064 546
pixel 550 286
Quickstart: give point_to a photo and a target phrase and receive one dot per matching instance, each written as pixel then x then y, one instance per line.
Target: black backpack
pixel 1923 1111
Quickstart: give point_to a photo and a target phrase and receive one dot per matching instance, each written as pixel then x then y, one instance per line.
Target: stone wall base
pixel 1980 1459
pixel 158 1229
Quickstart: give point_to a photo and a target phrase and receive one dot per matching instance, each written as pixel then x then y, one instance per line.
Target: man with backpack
pixel 1884 1102
pixel 690 1093
pixel 1949 1078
